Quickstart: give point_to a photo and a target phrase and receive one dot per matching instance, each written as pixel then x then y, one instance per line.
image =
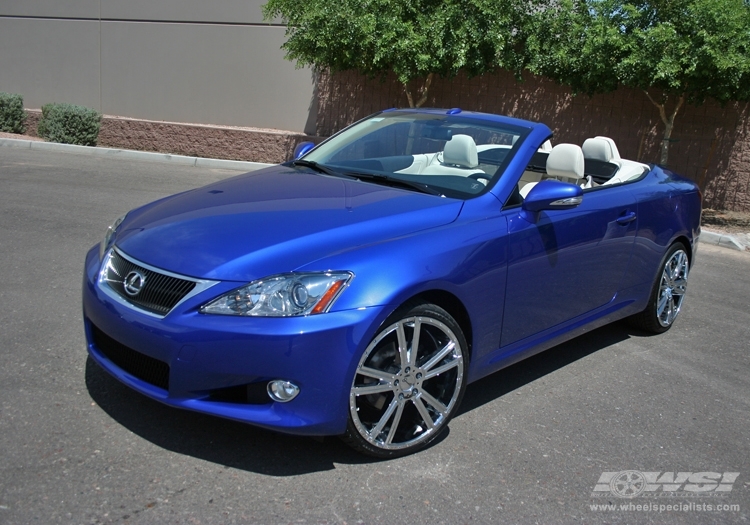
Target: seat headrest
pixel 461 151
pixel 565 160
pixel 601 148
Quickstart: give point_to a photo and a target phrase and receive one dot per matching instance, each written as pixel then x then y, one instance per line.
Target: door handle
pixel 625 219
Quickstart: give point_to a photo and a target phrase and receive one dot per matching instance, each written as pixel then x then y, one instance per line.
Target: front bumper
pixel 205 354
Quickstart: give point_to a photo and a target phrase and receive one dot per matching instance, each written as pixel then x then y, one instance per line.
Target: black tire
pixel 402 401
pixel 667 292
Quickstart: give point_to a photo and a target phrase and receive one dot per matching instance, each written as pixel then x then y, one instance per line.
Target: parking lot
pixel 532 443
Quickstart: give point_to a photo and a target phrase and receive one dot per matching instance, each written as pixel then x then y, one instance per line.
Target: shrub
pixel 69 124
pixel 41 127
pixel 12 115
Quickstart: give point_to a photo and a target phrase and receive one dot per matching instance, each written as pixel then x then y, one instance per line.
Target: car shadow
pixel 221 441
pixel 245 447
pixel 530 369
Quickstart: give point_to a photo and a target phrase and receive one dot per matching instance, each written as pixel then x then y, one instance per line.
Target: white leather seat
pixel 527 188
pixel 419 163
pixel 604 149
pixel 565 162
pixel 459 157
pixel 601 148
pixel 629 170
pixel 461 151
pixel 528 177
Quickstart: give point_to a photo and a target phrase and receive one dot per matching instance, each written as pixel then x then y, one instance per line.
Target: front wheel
pixel 667 294
pixel 408 383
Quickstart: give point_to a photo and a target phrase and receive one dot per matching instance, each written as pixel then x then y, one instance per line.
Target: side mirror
pixel 550 195
pixel 302 149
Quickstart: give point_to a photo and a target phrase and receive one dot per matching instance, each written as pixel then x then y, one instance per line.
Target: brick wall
pixel 711 144
pixel 195 140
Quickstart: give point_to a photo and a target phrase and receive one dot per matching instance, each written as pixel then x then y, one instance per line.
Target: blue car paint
pixel 206 352
pixel 575 259
pixel 272 221
pixel 510 276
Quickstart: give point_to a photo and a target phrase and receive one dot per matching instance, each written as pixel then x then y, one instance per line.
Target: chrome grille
pixel 159 292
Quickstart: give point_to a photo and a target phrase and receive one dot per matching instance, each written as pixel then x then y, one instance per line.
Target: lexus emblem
pixel 133 283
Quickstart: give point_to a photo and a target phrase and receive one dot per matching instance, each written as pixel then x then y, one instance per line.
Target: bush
pixel 12 115
pixel 69 124
pixel 41 127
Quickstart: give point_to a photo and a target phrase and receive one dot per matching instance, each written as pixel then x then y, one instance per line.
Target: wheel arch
pixel 407 431
pixel 688 247
pixel 451 304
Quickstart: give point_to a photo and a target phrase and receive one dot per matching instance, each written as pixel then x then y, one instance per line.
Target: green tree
pixel 415 39
pixel 675 51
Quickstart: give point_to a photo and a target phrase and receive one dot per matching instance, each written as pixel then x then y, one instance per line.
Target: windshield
pixel 452 155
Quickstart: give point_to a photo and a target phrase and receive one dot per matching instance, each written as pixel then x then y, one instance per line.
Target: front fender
pixel 467 259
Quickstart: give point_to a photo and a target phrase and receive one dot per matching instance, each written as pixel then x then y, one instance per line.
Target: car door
pixel 568 263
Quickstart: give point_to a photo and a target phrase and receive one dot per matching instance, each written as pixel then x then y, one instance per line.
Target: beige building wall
pixel 174 60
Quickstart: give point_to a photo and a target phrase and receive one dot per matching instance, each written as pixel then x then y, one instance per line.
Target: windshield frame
pixel 334 145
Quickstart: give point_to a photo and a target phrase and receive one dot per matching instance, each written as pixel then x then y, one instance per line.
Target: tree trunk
pixel 665 142
pixel 423 91
pixel 668 121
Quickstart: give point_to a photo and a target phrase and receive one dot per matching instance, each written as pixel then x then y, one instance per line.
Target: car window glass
pixel 460 156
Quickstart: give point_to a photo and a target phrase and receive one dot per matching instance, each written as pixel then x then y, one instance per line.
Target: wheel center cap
pixel 408 383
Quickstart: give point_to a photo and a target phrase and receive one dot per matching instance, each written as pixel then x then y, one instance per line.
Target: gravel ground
pixel 732 222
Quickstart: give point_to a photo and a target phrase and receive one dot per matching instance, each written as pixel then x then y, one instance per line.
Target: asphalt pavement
pixel 555 439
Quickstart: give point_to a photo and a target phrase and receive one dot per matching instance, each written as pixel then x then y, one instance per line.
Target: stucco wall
pixel 711 143
pixel 177 60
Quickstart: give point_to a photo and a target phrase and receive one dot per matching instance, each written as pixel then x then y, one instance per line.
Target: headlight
pixel 106 242
pixel 283 295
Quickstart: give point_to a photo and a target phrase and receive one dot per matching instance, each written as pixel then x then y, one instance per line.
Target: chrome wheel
pixel 407 384
pixel 672 288
pixel 667 292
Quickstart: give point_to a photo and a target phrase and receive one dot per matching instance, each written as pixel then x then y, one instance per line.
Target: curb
pixel 199 162
pixel 723 240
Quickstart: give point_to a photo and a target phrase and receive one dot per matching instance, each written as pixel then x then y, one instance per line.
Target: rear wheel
pixel 667 294
pixel 408 383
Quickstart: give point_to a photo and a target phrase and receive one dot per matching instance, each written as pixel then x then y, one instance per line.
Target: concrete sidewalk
pixel 725 240
pixel 134 155
pixel 733 242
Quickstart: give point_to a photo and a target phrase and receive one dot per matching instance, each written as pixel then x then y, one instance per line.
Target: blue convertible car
pixel 359 288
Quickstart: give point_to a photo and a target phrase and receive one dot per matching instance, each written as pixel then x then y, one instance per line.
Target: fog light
pixel 282 391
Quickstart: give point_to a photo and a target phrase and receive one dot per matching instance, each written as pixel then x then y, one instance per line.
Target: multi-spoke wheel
pixel 668 292
pixel 408 383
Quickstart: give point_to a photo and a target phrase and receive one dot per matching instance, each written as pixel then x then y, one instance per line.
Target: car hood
pixel 272 221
